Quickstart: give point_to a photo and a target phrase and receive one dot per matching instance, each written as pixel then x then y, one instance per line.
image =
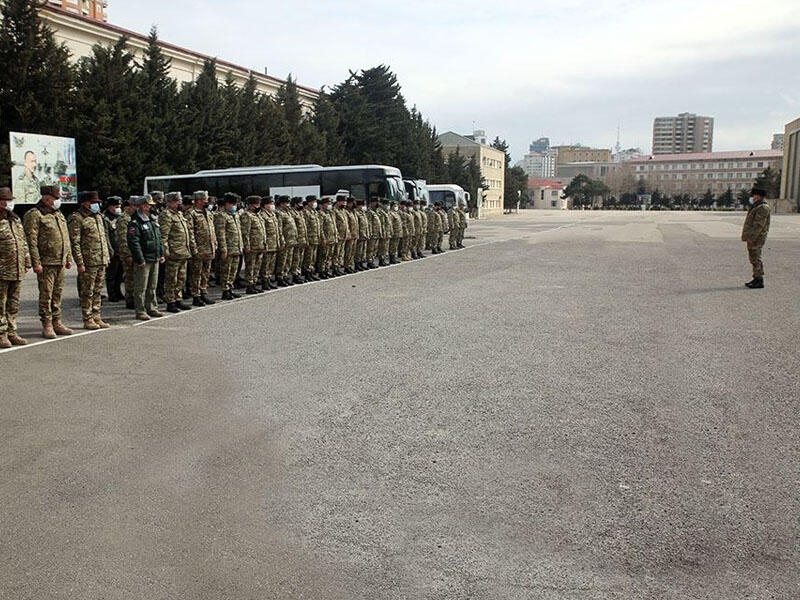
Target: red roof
pixel 552 183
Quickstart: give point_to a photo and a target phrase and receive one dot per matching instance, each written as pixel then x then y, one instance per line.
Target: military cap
pixel 113 201
pixel 230 198
pixel 282 199
pixel 253 200
pixel 311 198
pixel 137 200
pixel 187 200
pixel 267 200
pixel 173 196
pixel 200 194
pixel 296 200
pixel 758 191
pixel 383 200
pixel 126 202
pixel 157 196
pixel 325 200
pixel 393 202
pixel 360 203
pixel 50 190
pixel 6 194
pixel 87 196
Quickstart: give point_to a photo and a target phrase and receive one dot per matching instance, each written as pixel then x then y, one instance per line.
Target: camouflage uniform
pixel 302 244
pixel 350 244
pixel 49 246
pixel 462 226
pixel 422 229
pixel 121 233
pixel 254 240
pixel 28 187
pixel 386 234
pixel 179 246
pixel 313 234
pixel 432 230
pixel 284 258
pixel 87 231
pixel 15 260
pixel 343 232
pixel 363 236
pixel 375 235
pixel 754 232
pixel 229 240
pixel 274 240
pixel 201 224
pixel 328 239
pixel 114 270
pixel 397 234
pixel 408 234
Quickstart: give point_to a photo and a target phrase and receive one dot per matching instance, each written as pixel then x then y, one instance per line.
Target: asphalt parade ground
pixel 579 405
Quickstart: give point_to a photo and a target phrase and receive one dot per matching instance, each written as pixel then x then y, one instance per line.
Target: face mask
pixel 118 211
pixel 57 204
pixel 751 200
pixel 94 207
pixel 233 210
pixel 330 207
pixel 313 206
pixel 9 205
pixel 363 209
pixel 394 208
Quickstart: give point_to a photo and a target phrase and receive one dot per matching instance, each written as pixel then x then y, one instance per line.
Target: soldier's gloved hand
pixel 81 269
pixel 161 260
pixel 68 265
pixel 38 269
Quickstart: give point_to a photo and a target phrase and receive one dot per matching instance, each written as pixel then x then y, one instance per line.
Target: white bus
pixel 448 194
pixel 417 190
pixel 361 181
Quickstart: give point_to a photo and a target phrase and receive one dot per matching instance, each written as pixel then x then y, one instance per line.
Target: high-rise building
pixel 777 141
pixel 91 9
pixel 541 145
pixel 539 164
pixel 686 133
pixel 578 153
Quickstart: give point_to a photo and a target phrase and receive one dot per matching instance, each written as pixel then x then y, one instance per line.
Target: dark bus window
pixel 301 179
pixel 264 182
pixel 358 191
pixel 333 181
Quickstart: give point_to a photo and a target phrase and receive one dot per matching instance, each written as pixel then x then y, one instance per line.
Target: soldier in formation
pixel 179 246
pixel 754 233
pixel 15 262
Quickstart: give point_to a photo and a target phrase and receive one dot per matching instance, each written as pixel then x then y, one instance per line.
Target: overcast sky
pixel 571 70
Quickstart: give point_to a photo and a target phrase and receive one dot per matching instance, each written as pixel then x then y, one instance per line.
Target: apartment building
pixel 790 179
pixel 577 153
pixel 492 163
pixel 686 133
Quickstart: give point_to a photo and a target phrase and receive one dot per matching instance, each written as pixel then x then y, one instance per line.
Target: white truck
pixel 448 194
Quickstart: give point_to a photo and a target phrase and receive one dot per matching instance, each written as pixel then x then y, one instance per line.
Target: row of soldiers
pixel 272 242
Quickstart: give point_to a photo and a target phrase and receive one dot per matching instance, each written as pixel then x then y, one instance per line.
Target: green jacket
pixel 254 235
pixel 48 237
pixel 14 255
pixel 229 233
pixel 176 235
pixel 272 228
pixel 144 239
pixel 312 225
pixel 288 227
pixel 201 224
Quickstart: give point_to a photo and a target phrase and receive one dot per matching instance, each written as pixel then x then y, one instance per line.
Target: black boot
pixel 171 308
pixel 198 301
pixel 251 289
pixel 226 295
pixel 182 306
pixel 130 305
pixel 206 299
pixel 756 284
pixel 273 284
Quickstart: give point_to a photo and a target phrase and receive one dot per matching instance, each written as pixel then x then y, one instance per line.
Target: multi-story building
pixel 696 173
pixel 491 161
pixel 80 30
pixel 540 145
pixel 539 164
pixel 91 9
pixel 577 153
pixel 777 141
pixel 546 194
pixel 686 133
pixel 790 178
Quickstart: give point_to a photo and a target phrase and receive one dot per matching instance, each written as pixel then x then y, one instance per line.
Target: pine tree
pixel 203 121
pixel 107 105
pixel 37 78
pixel 327 122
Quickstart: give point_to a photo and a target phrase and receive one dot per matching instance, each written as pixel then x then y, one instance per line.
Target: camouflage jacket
pixel 342 223
pixel 176 235
pixel 462 215
pixel 288 227
pixel 375 224
pixel 423 219
pixel 756 223
pixel 408 223
pixel 328 228
pixel 363 225
pixel 229 233
pixel 110 221
pixel 396 224
pixel 352 224
pixel 201 224
pixel 14 255
pixel 418 228
pixel 434 222
pixel 300 224
pixel 272 229
pixel 386 223
pixel 312 225
pixel 87 231
pixel 254 236
pixel 121 234
pixel 48 237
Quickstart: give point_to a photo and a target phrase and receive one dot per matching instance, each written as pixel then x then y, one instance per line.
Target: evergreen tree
pixel 37 78
pixel 203 122
pixel 770 181
pixel 272 144
pixel 107 109
pixel 158 115
pixel 327 122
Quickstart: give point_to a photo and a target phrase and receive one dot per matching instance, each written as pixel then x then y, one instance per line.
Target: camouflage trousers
pixel 90 283
pixel 431 240
pixel 421 242
pixel 394 245
pixel 361 251
pixel 174 279
pixel 383 247
pixel 227 271
pixel 372 249
pixel 268 265
pixel 439 239
pixel 338 257
pixel 405 246
pixel 198 275
pixel 9 305
pixel 297 258
pixel 145 279
pixel 114 275
pixel 51 287
pixel 252 266
pixel 310 257
pixel 284 261
pixel 754 254
pixel 323 259
pixel 348 254
pixel 128 279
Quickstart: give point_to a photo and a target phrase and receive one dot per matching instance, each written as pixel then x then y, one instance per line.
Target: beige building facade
pixel 492 163
pixel 790 178
pixel 696 173
pixel 685 133
pixel 580 154
pixel 79 32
